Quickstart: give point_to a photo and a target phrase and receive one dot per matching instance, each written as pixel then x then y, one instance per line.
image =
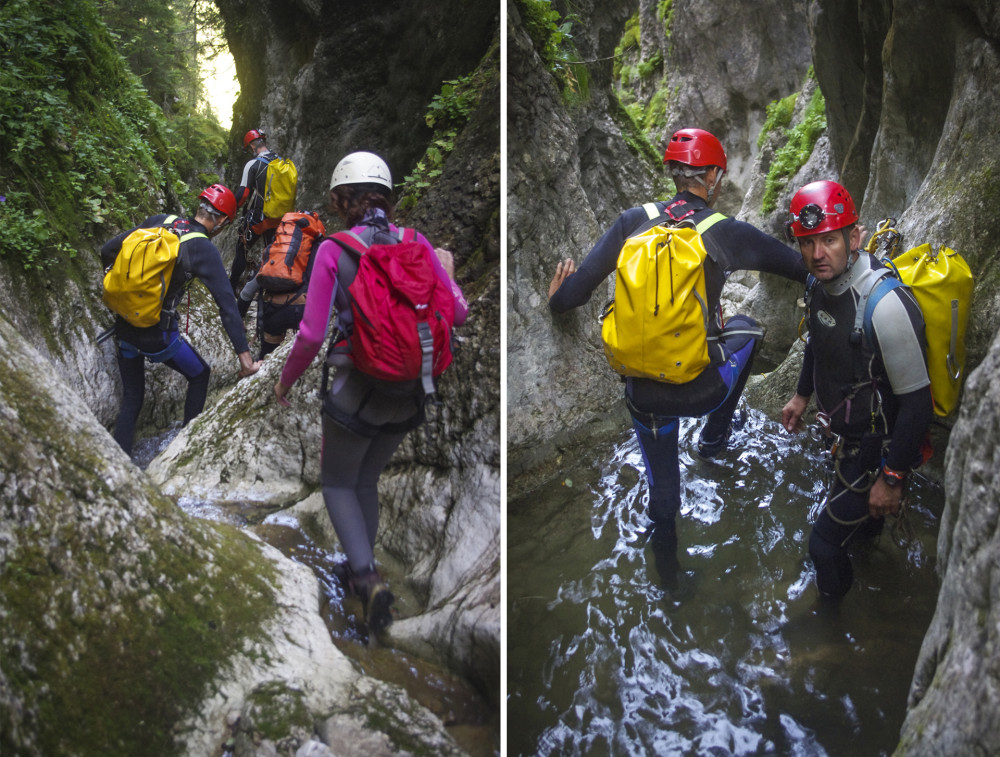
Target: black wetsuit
pixel 197 258
pixel 654 405
pixel 251 194
pixel 877 397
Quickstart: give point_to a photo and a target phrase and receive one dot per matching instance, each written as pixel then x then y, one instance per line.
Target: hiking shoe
pixel 378 609
pixel 709 448
pixel 376 599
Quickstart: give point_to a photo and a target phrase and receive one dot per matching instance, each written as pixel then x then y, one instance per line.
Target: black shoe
pixel 341 570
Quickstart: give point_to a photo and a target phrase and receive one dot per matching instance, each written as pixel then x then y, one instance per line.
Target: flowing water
pixel 465 714
pixel 611 649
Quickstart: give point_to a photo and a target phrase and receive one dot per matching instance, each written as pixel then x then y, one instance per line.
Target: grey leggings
pixel 362 427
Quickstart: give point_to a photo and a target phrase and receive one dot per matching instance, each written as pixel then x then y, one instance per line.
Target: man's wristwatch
pixel 892 478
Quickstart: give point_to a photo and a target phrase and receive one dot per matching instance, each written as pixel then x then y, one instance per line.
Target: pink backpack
pixel 401 313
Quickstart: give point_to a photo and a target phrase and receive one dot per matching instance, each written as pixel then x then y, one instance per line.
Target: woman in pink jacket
pixel 364 419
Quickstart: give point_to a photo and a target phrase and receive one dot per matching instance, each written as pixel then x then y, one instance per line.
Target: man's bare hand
pixel 563 270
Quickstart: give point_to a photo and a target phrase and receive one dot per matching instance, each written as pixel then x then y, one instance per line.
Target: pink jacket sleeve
pixel 316 319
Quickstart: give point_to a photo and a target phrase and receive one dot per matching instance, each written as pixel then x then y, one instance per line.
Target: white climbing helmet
pixel 361 168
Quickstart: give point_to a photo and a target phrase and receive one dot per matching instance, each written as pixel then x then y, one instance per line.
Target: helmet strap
pixel 718 178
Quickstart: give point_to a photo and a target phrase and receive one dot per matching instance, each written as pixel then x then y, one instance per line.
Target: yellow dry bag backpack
pixel 137 282
pixel 656 326
pixel 280 187
pixel 942 283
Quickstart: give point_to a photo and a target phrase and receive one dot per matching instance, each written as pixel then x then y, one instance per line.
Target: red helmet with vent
pixel 220 198
pixel 695 147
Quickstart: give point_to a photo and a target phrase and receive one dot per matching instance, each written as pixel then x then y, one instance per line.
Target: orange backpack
pixel 287 261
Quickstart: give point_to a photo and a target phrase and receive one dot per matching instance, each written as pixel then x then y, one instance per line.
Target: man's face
pixel 826 254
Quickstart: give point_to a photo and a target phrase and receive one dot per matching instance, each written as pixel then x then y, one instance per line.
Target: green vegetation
pixel 650 66
pixel 646 121
pixel 107 646
pixel 551 37
pixel 83 149
pixel 779 116
pixel 448 112
pixel 796 150
pixel 629 41
pixel 665 12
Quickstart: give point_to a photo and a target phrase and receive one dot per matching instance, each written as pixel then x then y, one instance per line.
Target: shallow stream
pixel 610 652
pixel 463 711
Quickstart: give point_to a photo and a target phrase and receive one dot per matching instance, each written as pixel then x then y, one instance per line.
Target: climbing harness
pixel 653 428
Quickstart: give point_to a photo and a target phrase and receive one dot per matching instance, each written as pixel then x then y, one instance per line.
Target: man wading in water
pixel 873 393
pixel 697 163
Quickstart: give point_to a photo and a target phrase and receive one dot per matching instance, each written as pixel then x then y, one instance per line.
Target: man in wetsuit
pixel 197 258
pixel 871 383
pixel 250 196
pixel 697 162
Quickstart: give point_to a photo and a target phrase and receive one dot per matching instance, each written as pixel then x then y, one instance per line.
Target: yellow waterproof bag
pixel 942 284
pixel 136 283
pixel 280 188
pixel 656 326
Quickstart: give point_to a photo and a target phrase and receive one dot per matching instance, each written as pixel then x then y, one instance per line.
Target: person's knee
pixel 202 377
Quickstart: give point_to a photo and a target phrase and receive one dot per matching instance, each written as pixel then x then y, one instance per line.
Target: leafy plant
pixel 82 147
pixel 447 113
pixel 796 151
pixel 779 115
pixel 552 38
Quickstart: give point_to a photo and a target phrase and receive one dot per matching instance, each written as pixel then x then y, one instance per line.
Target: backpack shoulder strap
pixel 708 222
pixel 350 242
pixel 883 283
pixel 652 210
pixel 407 235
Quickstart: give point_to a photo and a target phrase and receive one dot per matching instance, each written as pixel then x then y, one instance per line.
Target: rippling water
pixel 731 655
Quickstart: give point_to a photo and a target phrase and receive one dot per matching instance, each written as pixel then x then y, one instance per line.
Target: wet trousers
pixel 132 365
pixel 842 522
pixel 655 420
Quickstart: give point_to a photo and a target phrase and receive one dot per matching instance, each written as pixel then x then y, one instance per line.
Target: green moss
pixel 149 671
pixel 108 649
pixel 796 150
pixel 650 66
pixel 779 116
pixel 639 143
pixel 274 710
pixel 629 41
pixel 665 12
pixel 655 120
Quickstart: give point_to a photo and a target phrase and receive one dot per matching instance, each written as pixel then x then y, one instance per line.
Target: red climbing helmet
pixel 821 206
pixel 220 198
pixel 695 147
pixel 251 135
